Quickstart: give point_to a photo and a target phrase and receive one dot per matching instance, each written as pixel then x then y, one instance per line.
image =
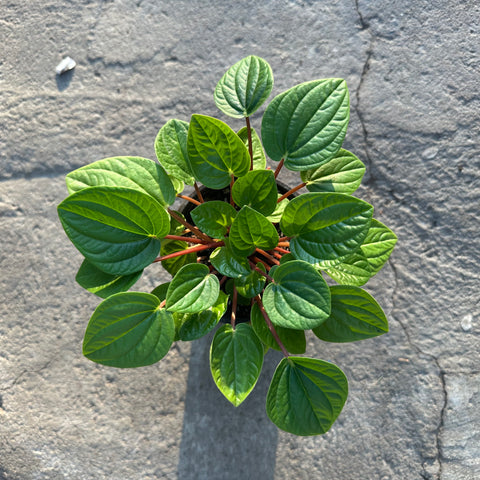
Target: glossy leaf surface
pixel 258 190
pixel 229 264
pixel 378 245
pixel 354 270
pixel 173 265
pixel 259 159
pixel 251 285
pixel 214 217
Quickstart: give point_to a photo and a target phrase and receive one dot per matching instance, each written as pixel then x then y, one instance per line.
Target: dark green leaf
pixel 214 217
pixel 251 229
pixel 192 290
pixel 244 87
pixel 227 263
pixel 161 291
pixel 342 174
pixel 138 173
pixel 129 330
pixel 173 265
pixel 299 298
pixel 215 152
pixel 306 395
pixel 259 159
pixel 293 340
pixel 250 285
pixel 171 150
pixel 258 190
pixel 236 359
pixel 355 316
pixel 306 125
pixel 116 229
pixel 104 284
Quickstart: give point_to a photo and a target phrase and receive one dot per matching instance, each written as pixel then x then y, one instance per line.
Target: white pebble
pixel 430 152
pixel 65 65
pixel 466 322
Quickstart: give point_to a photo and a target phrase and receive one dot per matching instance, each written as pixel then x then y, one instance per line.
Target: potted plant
pixel 242 251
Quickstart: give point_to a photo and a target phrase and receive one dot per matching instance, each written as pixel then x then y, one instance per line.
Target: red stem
pixel 250 146
pixel 283 244
pixel 281 250
pixel 260 271
pixel 268 256
pixel 198 248
pixel 193 229
pixel 279 167
pixel 277 255
pixel 162 304
pixel 192 200
pixel 198 192
pixel 185 239
pixel 270 326
pixel 223 280
pixel 263 262
pixel 234 307
pixel 284 239
pixel 293 190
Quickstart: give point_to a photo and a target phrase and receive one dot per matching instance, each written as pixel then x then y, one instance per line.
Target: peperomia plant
pixel 244 252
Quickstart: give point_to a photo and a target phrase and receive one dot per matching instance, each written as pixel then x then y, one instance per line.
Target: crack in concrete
pixel 441 373
pixel 24 372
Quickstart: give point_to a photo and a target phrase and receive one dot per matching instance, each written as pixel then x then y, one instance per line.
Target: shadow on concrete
pixel 63 80
pixel 220 441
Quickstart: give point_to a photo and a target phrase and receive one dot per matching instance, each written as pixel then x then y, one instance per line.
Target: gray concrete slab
pixel 412 68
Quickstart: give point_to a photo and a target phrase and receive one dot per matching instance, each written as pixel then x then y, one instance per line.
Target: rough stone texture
pixel 412 68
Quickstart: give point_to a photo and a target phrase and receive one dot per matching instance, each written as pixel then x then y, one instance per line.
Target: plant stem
pixel 284 239
pixel 234 307
pixel 270 326
pixel 188 199
pixel 198 248
pixel 277 255
pixel 162 304
pixel 260 271
pixel 193 229
pixel 223 280
pixel 268 256
pixel 283 244
pixel 293 190
pixel 279 167
pixel 281 250
pixel 185 239
pixel 232 203
pixel 250 145
pixel 198 192
pixel 263 262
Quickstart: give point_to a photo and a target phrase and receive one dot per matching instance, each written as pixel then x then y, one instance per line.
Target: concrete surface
pixel 412 67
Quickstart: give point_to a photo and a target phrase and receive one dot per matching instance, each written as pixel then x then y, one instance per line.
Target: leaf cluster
pixel 241 244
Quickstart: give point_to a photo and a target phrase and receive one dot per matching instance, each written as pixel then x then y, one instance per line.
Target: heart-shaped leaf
pixel 293 340
pixel 250 285
pixel 215 152
pixel 306 125
pixel 173 265
pixel 116 229
pixel 192 290
pixel 251 229
pixel 259 159
pixel 299 298
pixel 138 173
pixel 171 150
pixel 306 395
pixel 104 284
pixel 244 87
pixel 214 217
pixel 342 174
pixel 236 359
pixel 129 330
pixel 355 316
pixel 258 190
pixel 227 263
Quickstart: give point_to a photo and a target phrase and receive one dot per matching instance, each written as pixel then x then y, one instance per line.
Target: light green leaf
pixel 138 173
pixel 171 150
pixel 278 212
pixel 214 217
pixel 244 87
pixel 342 174
pixel 306 395
pixel 236 359
pixel 251 285
pixel 258 190
pixel 378 245
pixel 355 316
pixel 354 270
pixel 173 265
pixel 215 152
pixel 306 125
pixel 104 284
pixel 251 229
pixel 129 330
pixel 116 229
pixel 299 298
pixel 293 340
pixel 259 159
pixel 192 290
pixel 227 263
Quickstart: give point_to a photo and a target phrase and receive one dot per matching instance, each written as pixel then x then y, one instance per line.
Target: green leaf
pixel 176 228
pixel 104 284
pixel 192 290
pixel 326 227
pixel 378 245
pixel 192 326
pixel 278 212
pixel 178 185
pixel 215 152
pixel 241 300
pixel 299 298
pixel 128 330
pixel 293 340
pixel 236 359
pixel 173 265
pixel 354 270
pixel 138 173
pixel 258 190
pixel 306 124
pixel 171 150
pixel 116 229
pixel 244 87
pixel 214 217
pixel 342 174
pixel 250 285
pixel 355 316
pixel 161 291
pixel 306 395
pixel 288 257
pixel 227 263
pixel 251 229
pixel 259 159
